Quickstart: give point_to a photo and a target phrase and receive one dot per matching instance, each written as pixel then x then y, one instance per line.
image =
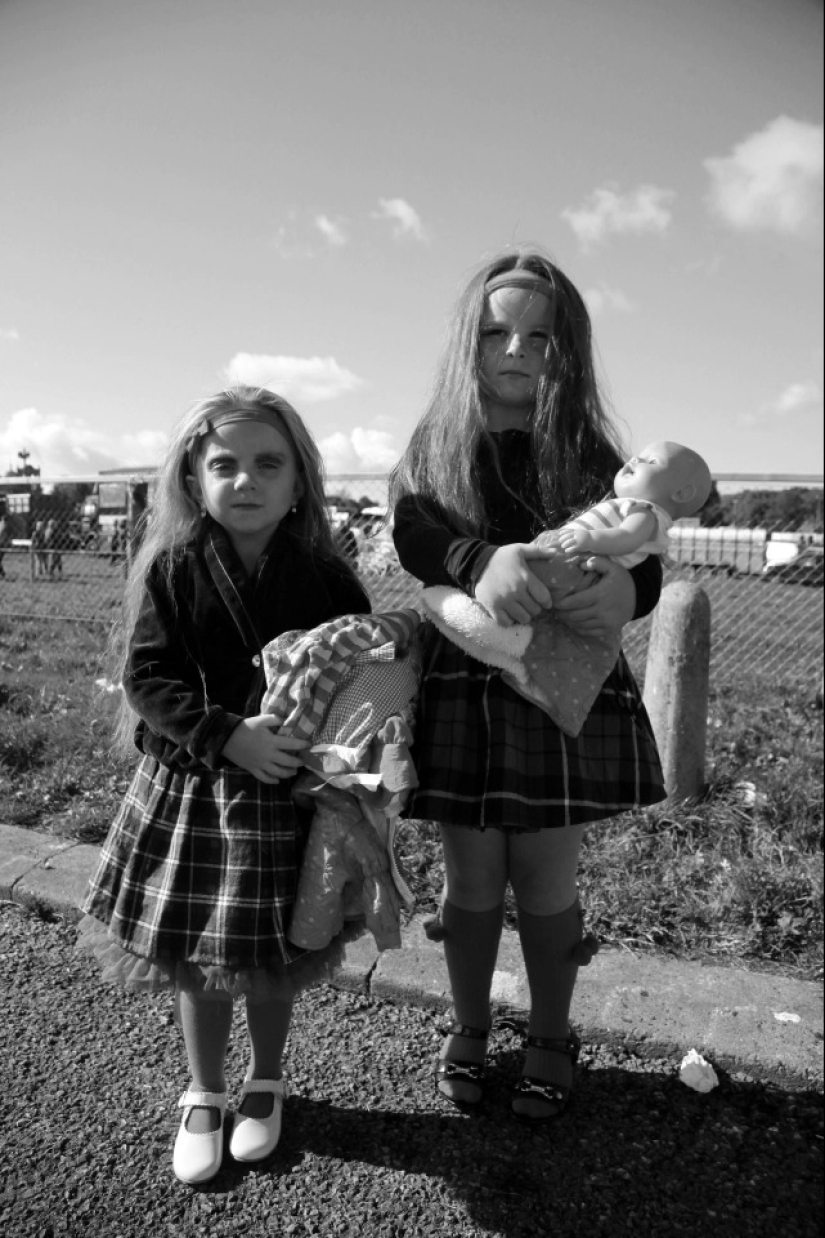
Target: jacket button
pixel 256 661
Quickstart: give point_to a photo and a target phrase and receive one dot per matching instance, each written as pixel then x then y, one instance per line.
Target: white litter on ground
pixel 696 1073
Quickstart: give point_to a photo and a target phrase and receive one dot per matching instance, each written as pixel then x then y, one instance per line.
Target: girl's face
pixel 514 347
pixel 247 478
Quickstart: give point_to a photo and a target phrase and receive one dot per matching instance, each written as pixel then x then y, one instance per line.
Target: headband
pixel 518 277
pixel 241 412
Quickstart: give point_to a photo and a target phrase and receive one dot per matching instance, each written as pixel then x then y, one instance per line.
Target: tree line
pixel 795 508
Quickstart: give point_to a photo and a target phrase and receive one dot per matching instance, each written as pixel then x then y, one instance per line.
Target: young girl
pixel 514 439
pixel 197 877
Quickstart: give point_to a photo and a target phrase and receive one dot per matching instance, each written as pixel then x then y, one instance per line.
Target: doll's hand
pixel 574 542
pixel 508 590
pixel 270 757
pixel 604 608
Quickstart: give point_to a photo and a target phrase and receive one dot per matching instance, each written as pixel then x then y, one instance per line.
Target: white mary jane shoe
pixel 197 1158
pixel 253 1139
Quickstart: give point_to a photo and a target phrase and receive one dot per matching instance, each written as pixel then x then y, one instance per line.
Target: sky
pixel 293 192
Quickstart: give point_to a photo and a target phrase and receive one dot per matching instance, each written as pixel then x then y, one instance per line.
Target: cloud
pixel 772 180
pixel 9 333
pixel 710 266
pixel 646 209
pixel 332 230
pixel 63 446
pixel 796 399
pixel 311 379
pixel 405 219
pixel 359 451
pixel 603 299
pixel 288 239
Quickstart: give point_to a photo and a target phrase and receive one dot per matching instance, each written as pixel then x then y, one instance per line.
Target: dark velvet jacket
pixel 194 668
pixel 433 552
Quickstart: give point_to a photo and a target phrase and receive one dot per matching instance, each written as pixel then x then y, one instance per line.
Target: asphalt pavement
pixel 768 1026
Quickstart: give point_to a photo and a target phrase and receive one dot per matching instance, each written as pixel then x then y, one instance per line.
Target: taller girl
pixel 198 875
pixel 514 440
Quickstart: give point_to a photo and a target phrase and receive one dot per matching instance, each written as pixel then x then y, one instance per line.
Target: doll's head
pixel 668 474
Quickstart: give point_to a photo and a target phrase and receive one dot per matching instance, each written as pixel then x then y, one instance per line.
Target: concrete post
pixel 676 686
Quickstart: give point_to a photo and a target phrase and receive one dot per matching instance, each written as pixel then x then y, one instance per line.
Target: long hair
pixel 176 519
pixel 574 444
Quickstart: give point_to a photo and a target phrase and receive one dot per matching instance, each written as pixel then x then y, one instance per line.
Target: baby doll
pixel 664 482
pixel 547 661
pixel 348 688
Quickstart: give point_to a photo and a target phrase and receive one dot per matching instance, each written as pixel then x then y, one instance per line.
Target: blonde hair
pixel 176 519
pixel 575 446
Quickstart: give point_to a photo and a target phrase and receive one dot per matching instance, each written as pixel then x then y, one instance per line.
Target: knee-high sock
pixel 471 941
pixel 548 944
pixel 268 1027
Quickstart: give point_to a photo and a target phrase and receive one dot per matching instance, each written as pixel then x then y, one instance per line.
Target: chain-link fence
pixel 765 585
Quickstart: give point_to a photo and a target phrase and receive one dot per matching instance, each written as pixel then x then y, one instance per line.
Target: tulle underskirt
pixel 256 984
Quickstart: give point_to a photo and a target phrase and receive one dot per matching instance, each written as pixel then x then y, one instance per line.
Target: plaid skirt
pixel 196 883
pixel 488 758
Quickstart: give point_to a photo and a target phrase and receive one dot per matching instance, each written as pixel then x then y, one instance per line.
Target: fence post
pixel 676 686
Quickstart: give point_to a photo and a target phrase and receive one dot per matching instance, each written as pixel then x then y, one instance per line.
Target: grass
pixel 736 878
pixel 57 770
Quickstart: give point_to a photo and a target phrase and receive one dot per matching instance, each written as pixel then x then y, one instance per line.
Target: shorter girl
pixel 197 878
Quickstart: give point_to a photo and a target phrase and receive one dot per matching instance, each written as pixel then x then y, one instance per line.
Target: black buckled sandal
pixel 467 1074
pixel 553 1096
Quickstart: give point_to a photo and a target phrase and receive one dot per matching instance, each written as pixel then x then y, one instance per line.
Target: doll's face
pixel 655 473
pixel 513 350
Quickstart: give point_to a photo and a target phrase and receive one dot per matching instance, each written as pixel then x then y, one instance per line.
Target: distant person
pixel 197 878
pixel 119 543
pixel 514 440
pixel 53 543
pixel 40 558
pixel 135 528
pixel 5 542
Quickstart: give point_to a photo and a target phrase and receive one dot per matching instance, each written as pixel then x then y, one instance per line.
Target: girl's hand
pixel 254 747
pixel 604 608
pixel 508 590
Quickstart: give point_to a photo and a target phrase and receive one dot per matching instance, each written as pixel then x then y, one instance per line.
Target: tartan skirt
pixel 487 757
pixel 196 883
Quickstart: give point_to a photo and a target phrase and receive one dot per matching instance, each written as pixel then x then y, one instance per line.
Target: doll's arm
pixel 637 528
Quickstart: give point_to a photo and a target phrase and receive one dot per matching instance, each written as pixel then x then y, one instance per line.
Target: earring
pixel 294 507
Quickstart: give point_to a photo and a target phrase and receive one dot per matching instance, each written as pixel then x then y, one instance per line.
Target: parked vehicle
pixel 807 568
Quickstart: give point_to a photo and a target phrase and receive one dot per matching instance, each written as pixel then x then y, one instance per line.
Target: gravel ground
pixel 92 1076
